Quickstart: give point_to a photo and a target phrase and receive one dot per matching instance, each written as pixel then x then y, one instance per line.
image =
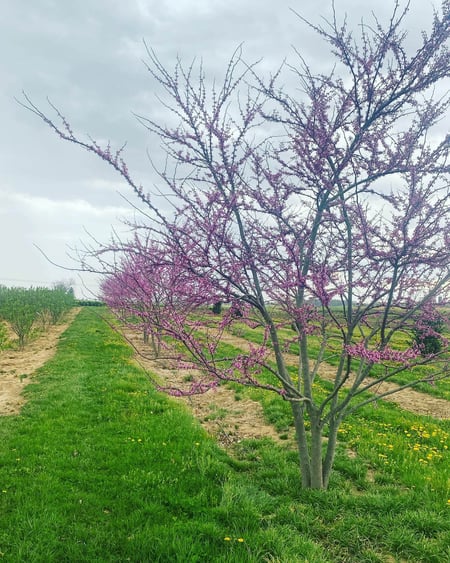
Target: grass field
pixel 99 467
pixel 440 389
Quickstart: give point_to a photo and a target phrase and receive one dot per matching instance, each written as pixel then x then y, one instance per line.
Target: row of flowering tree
pixel 156 296
pixel 24 309
pixel 282 203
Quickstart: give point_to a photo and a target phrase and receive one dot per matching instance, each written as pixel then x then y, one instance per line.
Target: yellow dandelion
pixel 226 538
pixel 240 540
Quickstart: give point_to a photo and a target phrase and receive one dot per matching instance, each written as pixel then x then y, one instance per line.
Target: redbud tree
pixel 323 210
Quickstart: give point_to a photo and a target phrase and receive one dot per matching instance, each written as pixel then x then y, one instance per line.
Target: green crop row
pixel 22 309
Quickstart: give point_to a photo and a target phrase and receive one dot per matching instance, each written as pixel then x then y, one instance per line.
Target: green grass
pixel 101 468
pixel 441 389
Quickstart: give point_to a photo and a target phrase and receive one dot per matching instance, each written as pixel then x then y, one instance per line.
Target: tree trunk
pixel 331 450
pixel 302 443
pixel 314 471
pixel 156 344
pixel 316 454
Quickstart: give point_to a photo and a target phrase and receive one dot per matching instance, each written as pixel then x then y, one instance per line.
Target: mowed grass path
pixel 99 467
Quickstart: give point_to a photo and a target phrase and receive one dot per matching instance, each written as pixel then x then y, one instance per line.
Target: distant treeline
pixel 88 303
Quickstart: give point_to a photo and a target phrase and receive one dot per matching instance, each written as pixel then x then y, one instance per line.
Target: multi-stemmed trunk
pixel 315 461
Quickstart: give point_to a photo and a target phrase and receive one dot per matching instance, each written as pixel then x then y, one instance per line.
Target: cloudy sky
pixel 86 56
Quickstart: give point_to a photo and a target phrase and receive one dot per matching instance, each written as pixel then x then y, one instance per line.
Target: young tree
pixel 137 297
pixel 427 332
pixel 284 203
pixel 20 308
pixel 3 335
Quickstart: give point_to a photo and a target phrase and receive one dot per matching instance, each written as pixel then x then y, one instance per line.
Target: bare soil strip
pixel 224 417
pixel 18 366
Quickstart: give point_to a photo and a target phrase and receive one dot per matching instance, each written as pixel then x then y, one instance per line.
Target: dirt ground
pixel 18 366
pixel 228 419
pixel 224 417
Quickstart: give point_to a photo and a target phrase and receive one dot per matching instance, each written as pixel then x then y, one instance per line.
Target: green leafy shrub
pixel 3 335
pixel 427 335
pixel 217 308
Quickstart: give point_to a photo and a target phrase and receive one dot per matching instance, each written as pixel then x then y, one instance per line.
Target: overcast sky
pixel 86 56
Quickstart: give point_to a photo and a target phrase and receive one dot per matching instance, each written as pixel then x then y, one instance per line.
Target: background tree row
pixel 23 309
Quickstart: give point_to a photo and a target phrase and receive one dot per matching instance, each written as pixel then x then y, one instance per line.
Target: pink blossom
pixel 377 356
